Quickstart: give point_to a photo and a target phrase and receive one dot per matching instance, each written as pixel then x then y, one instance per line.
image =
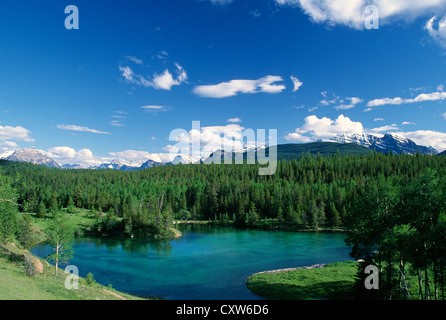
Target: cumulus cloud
pixel 235 87
pixel 72 127
pixel 202 141
pixel 352 13
pixel 297 137
pixel 324 128
pixel 67 155
pixel 234 120
pixel 427 138
pixel 166 81
pixel 15 133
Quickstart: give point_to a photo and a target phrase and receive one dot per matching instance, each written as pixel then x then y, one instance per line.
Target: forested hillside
pixel 313 192
pixel 393 206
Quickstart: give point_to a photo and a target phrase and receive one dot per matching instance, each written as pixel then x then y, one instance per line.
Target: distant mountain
pixel 32 155
pixel 389 142
pixel 443 153
pixel 149 164
pixel 342 144
pixel 185 159
pixel 117 165
pixel 297 150
pixel 72 166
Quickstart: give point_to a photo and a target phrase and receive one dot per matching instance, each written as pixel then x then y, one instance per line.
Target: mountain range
pixel 389 142
pixel 345 143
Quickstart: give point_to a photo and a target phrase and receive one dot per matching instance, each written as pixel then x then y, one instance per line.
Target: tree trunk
pixel 57 256
pixel 420 284
pixel 426 285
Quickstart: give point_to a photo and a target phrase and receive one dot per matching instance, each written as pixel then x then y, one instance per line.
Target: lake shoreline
pixel 316 266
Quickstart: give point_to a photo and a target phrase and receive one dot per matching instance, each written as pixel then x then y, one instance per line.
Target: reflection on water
pixel 205 263
pixel 141 246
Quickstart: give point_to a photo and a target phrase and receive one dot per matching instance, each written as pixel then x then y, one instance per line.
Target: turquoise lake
pixel 206 263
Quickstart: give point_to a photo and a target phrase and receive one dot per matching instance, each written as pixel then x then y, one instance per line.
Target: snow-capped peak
pixel 388 142
pixel 32 155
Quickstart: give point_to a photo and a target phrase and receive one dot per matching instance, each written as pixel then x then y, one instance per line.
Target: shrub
pixel 90 278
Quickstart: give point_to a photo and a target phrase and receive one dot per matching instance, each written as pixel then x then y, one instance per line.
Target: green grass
pixel 80 221
pixel 16 285
pixel 334 282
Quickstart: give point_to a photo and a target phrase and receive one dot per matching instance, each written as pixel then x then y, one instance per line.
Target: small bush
pixel 30 268
pixel 90 278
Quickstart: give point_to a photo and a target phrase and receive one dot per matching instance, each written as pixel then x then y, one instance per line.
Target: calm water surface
pixel 206 263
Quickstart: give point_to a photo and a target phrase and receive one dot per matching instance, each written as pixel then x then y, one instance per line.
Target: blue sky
pixel 133 72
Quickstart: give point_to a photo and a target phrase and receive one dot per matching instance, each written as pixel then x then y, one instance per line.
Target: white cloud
pixel 116 123
pixel 427 138
pixel 353 102
pixel 297 137
pixel 434 96
pixel 127 73
pixel 378 119
pixel 297 83
pixel 135 60
pixel 444 115
pixel 72 127
pixel 62 152
pixel 324 128
pixel 234 87
pixel 221 2
pixel 387 128
pixel 211 138
pixel 407 123
pixel 338 102
pixel 234 120
pixel 67 155
pixel 437 30
pixel 133 156
pixel 385 101
pixel 351 13
pixel 164 81
pixel 7 148
pixel 15 133
pixel 155 108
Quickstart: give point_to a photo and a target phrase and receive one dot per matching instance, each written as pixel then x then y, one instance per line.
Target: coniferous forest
pixel 392 206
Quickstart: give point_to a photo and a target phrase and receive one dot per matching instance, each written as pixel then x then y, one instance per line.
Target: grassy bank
pixel 333 282
pixel 15 284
